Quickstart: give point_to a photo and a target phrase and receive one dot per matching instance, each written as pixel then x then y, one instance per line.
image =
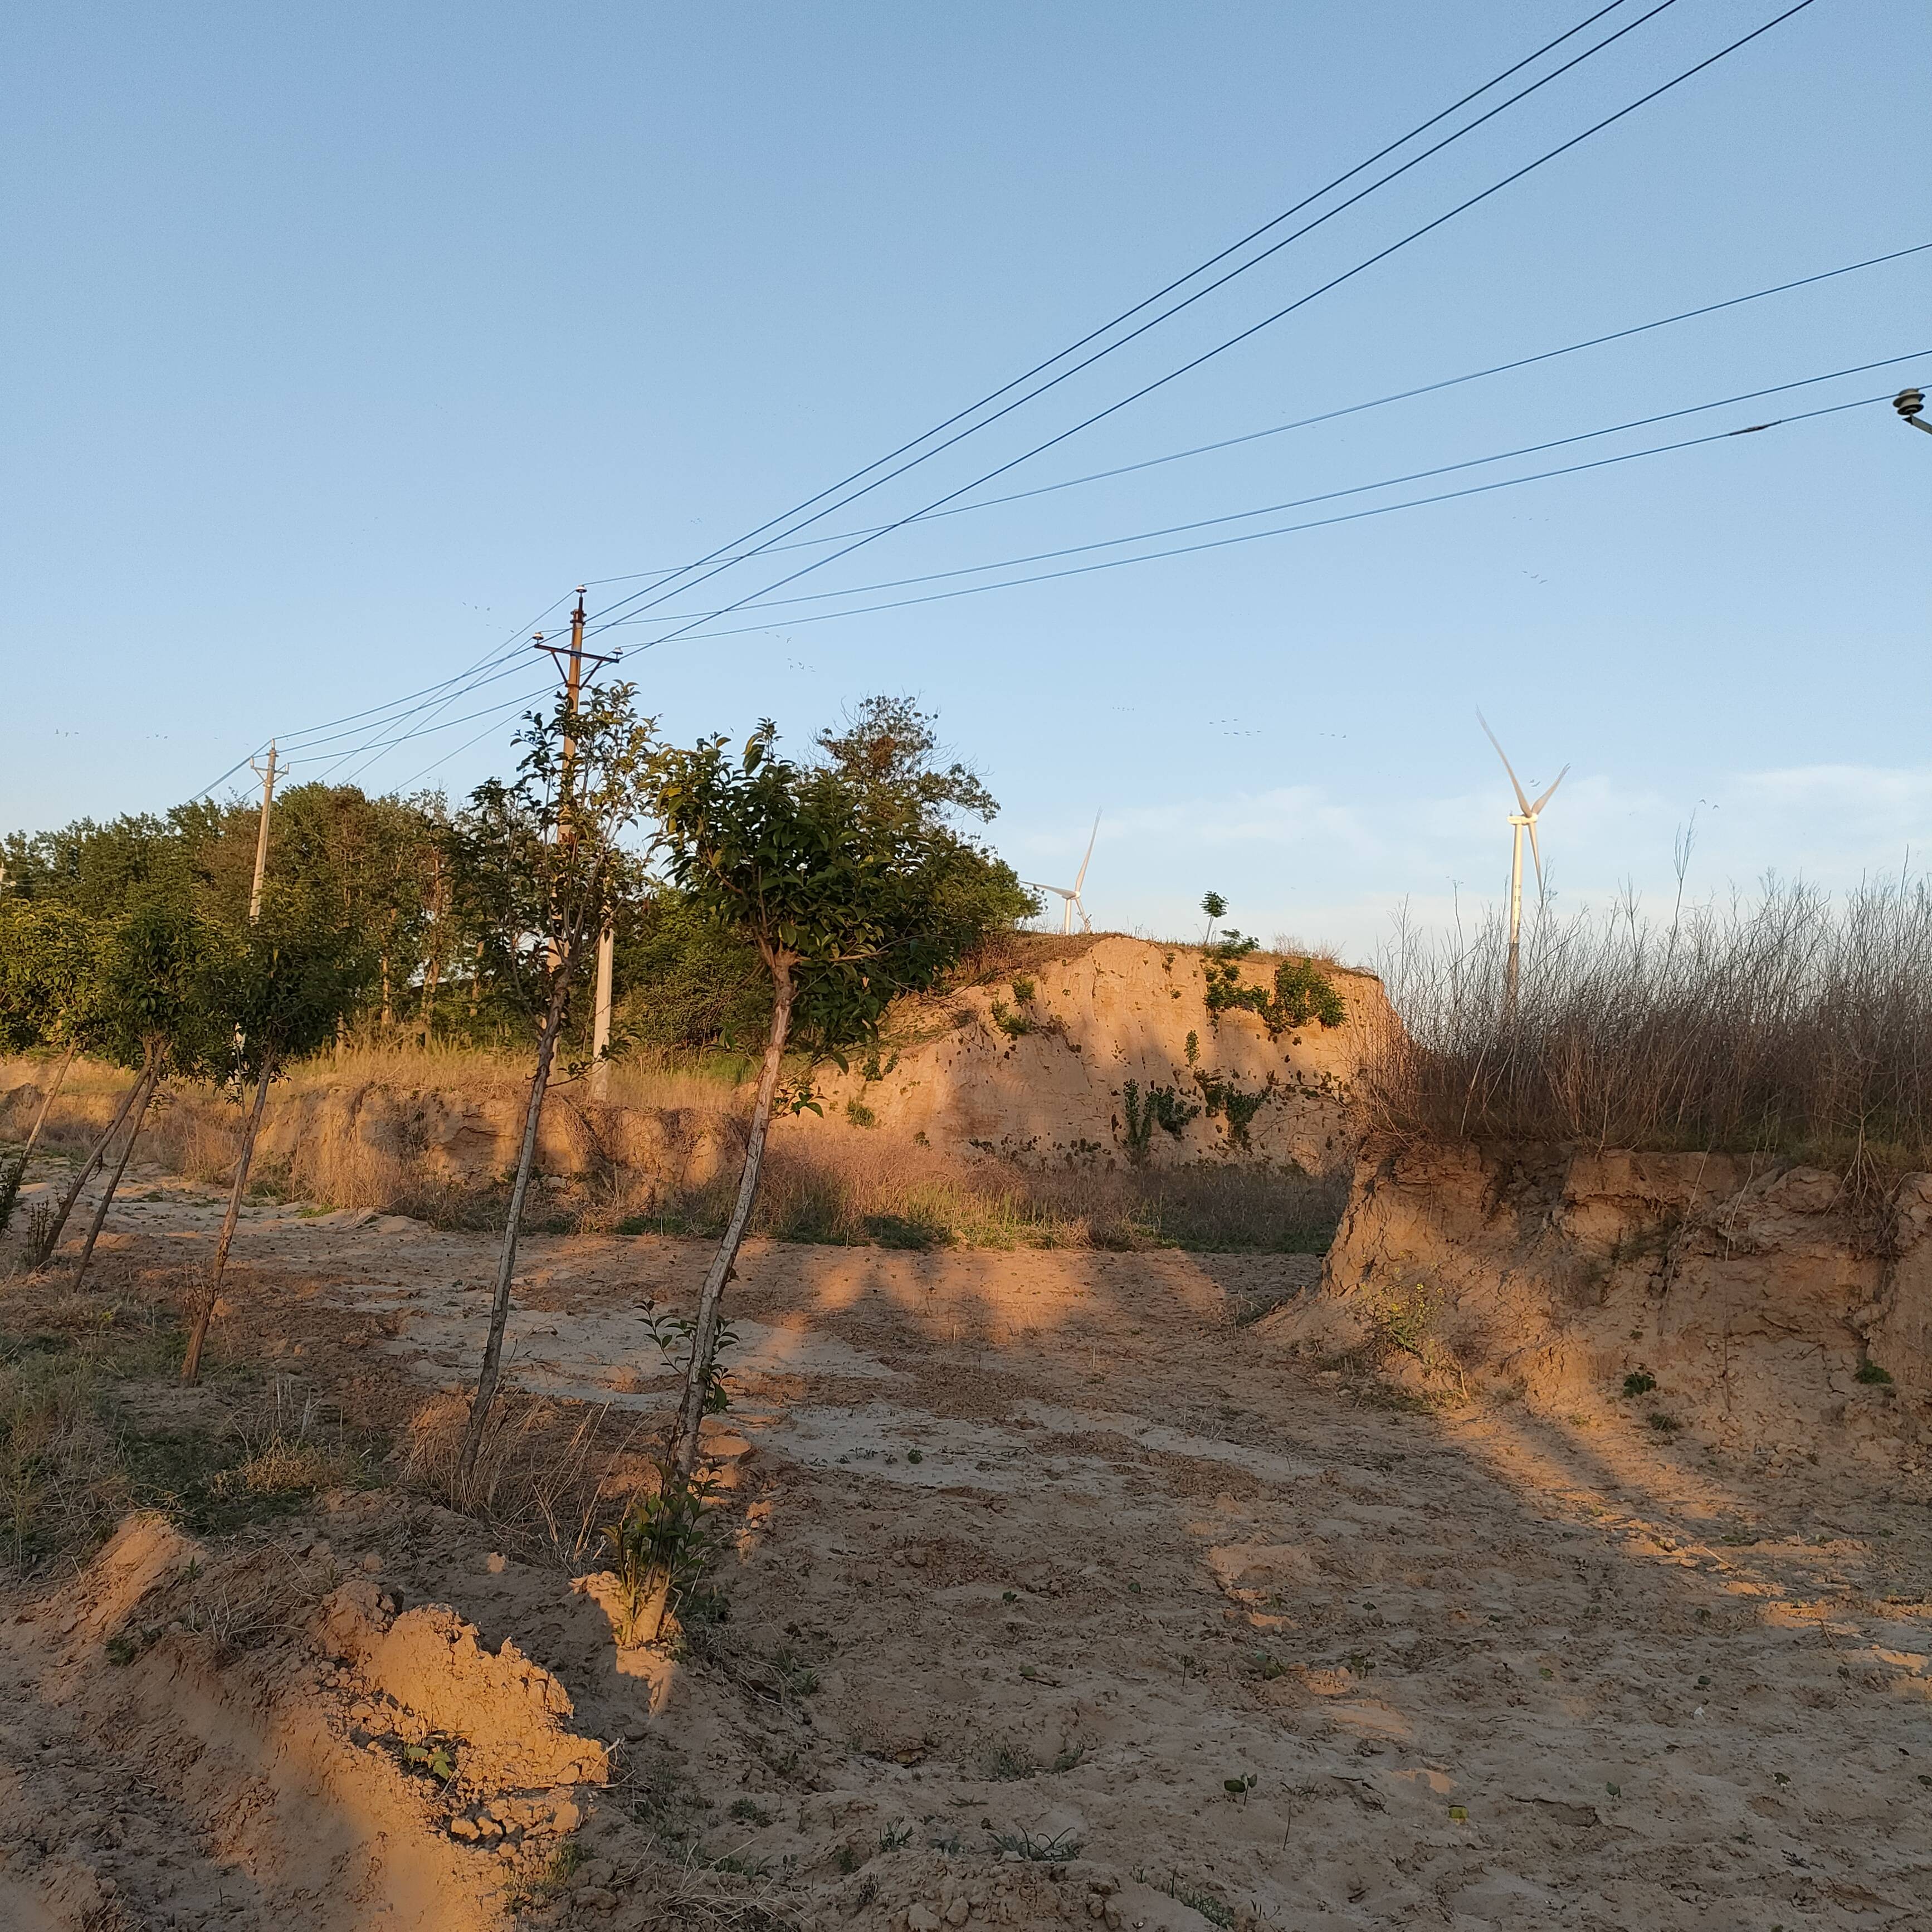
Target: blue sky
pixel 343 341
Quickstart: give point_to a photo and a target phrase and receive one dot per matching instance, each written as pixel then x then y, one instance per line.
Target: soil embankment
pixel 1049 1070
pixel 1766 1310
pixel 1035 1066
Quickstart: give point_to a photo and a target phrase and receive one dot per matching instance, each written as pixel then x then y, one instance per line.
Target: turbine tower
pixel 1522 820
pixel 1071 894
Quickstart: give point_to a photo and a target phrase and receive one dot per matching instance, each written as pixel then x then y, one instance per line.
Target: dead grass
pixel 1787 1025
pixel 548 1475
pixel 61 1486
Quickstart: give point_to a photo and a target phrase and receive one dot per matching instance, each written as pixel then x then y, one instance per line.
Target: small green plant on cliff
pixel 1870 1372
pixel 1157 1107
pixel 1302 994
pixel 1222 1099
pixel 1639 1381
pixel 1011 1021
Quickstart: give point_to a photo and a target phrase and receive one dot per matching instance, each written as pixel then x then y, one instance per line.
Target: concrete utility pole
pixel 600 1033
pixel 268 773
pixel 1910 404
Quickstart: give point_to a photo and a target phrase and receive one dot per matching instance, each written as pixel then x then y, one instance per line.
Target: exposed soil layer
pixel 1059 1588
pixel 1766 1309
pixel 983 1073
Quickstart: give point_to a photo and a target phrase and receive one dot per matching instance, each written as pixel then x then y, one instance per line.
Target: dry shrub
pixel 60 1483
pixel 1785 1025
pixel 547 1473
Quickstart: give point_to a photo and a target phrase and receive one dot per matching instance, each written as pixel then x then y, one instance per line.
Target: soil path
pixel 1050 1549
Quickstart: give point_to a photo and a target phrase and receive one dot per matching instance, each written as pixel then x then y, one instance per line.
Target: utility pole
pixel 573 684
pixel 1910 404
pixel 268 774
pixel 600 1032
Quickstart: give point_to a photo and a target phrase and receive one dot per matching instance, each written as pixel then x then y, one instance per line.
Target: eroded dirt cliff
pixel 1770 1309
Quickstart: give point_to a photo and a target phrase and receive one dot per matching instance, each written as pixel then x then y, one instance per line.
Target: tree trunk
pixel 205 1309
pixel 154 1080
pixel 87 1167
pixel 433 963
pixel 10 1189
pixel 506 1262
pixel 704 1331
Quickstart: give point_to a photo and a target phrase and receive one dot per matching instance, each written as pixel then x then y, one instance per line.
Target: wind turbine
pixel 1071 894
pixel 1522 820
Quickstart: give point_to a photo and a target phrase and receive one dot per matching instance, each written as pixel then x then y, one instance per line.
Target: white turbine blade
pixel 1504 755
pixel 1550 793
pixel 1533 853
pixel 1080 878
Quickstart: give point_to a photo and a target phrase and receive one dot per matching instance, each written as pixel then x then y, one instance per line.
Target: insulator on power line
pixel 1909 403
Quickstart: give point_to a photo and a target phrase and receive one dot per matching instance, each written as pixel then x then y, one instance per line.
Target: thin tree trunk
pixel 47 1105
pixel 433 963
pixel 432 978
pixel 506 1261
pixel 154 1080
pixel 704 1330
pixel 87 1167
pixel 10 1189
pixel 205 1309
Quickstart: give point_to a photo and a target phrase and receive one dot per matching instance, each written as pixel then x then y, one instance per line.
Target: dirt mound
pixel 204 1736
pixel 1035 1067
pixel 1757 1305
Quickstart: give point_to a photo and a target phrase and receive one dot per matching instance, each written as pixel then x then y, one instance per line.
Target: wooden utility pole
pixel 262 835
pixel 573 666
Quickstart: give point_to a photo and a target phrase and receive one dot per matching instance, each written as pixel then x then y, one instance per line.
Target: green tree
pixel 1215 907
pixel 851 893
pixel 150 1019
pixel 279 988
pixel 50 975
pixel 541 861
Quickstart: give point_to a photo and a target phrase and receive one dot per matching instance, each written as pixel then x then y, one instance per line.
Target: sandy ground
pixel 1050 1552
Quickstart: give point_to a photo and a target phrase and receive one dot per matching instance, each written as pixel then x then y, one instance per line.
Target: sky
pixel 343 342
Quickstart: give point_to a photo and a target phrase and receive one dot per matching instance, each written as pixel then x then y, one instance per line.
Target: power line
pixel 493 656
pixel 1233 248
pixel 1353 490
pixel 1348 275
pixel 1327 415
pixel 1316 523
pixel 490 659
pixel 448 724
